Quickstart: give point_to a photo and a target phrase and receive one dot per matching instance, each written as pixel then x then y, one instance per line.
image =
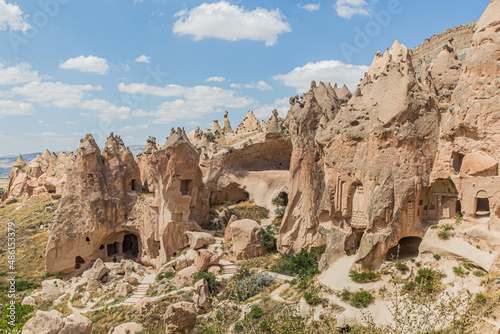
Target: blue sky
pixel 138 68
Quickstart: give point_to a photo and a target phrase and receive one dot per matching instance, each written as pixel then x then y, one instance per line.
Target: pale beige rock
pixel 123 289
pixel 76 324
pixel 185 276
pixel 97 272
pixel 44 323
pixel 199 239
pixel 52 289
pixel 127 328
pixel 249 124
pixel 29 300
pixel 214 270
pixel 446 70
pixel 226 126
pixel 206 258
pixel 479 163
pixel 201 296
pixel 227 232
pixel 246 241
pixel 180 317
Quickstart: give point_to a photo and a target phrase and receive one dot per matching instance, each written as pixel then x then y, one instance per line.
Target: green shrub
pixel 480 298
pixel 56 275
pixel 364 277
pixel 253 285
pixel 433 226
pixel 428 279
pixel 280 211
pixel 213 284
pixel 448 227
pixel 278 201
pixel 255 312
pixel 361 299
pixel 401 266
pixel 444 235
pixel 227 203
pixel 437 257
pixel 345 295
pixel 210 136
pixel 168 274
pixel 467 265
pixel 268 238
pixel 312 296
pixel 303 264
pixel 478 273
pixel 25 285
pixel 458 271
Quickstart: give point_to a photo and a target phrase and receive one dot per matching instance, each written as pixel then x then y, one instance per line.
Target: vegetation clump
pixel 364 277
pixel 303 264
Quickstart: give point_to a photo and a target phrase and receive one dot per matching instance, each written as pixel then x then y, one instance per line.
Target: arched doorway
pixel 482 204
pixel 408 247
pixel 130 246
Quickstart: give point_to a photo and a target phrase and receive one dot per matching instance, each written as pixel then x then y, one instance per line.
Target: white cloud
pixel 311 6
pixel 143 59
pixel 333 71
pixel 53 94
pixel 16 108
pixel 235 85
pixel 216 79
pixel 11 16
pixel 43 134
pixel 348 8
pixel 17 74
pixel 130 128
pixel 261 85
pixel 265 111
pixel 109 111
pixel 70 122
pixel 230 22
pixel 90 64
pixel 191 103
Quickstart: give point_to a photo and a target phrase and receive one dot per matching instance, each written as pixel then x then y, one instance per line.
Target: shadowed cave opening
pixel 130 246
pixel 284 196
pixel 408 247
pixel 482 207
pixel 79 262
pixel 354 241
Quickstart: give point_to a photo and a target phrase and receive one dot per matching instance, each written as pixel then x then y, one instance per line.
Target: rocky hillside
pixel 371 212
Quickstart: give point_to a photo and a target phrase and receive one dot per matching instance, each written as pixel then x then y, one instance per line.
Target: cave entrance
pixel 130 246
pixel 185 186
pixel 458 207
pixel 353 242
pixel 482 207
pixel 284 196
pixel 79 262
pixel 457 160
pixel 113 248
pixel 408 247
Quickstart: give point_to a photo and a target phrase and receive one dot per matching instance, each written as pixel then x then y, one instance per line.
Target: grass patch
pixel 248 210
pixel 364 277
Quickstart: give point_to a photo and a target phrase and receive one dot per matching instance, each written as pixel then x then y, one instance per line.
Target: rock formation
pixel 344 94
pixel 445 71
pixel 226 126
pixel 46 173
pixel 470 137
pixel 249 124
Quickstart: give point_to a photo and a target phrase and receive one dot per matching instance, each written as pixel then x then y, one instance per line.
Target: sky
pixel 140 67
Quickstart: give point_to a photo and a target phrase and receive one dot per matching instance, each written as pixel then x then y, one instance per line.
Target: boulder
pixel 29 301
pixel 97 272
pixel 478 163
pixel 201 296
pixel 93 285
pixel 133 279
pixel 44 323
pixel 76 324
pixel 214 270
pixel 180 317
pixel 227 232
pixel 185 276
pixel 127 328
pixel 206 258
pixel 123 289
pixel 246 242
pixel 199 239
pixel 52 289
